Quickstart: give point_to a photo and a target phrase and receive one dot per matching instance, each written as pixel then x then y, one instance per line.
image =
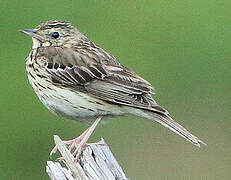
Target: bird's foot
pixel 76 145
pixel 72 144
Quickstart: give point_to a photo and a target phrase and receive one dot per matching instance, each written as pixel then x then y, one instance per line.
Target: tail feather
pixel 165 119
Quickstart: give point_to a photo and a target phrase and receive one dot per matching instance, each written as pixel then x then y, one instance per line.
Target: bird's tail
pixel 160 115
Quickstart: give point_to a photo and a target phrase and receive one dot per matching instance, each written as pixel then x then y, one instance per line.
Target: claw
pixel 53 151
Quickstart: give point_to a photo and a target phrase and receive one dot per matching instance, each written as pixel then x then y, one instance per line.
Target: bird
pixel 78 80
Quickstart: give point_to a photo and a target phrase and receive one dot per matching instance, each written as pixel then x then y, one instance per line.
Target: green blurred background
pixel 181 47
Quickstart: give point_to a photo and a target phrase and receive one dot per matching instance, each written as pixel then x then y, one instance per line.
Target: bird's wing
pixel 107 81
pixel 110 82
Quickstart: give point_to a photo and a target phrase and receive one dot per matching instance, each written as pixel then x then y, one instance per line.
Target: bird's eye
pixel 55 35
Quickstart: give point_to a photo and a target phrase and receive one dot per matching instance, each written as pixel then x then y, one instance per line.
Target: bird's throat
pixel 37 43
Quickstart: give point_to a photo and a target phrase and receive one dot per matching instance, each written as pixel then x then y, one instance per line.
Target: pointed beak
pixel 32 33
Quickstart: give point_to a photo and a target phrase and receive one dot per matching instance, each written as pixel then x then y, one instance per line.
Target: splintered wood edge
pixel 96 162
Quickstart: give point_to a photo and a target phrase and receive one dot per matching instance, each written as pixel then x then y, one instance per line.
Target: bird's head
pixel 54 33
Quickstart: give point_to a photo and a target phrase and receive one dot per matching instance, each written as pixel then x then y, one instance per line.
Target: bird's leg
pixel 74 142
pixel 83 142
pixel 80 141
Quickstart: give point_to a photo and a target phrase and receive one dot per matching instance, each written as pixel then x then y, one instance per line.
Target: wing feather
pixel 110 82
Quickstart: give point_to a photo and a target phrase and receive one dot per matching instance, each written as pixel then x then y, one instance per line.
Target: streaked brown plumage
pixel 77 79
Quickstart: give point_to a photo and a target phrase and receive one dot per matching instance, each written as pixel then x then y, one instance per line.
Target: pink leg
pixel 83 142
pixel 79 142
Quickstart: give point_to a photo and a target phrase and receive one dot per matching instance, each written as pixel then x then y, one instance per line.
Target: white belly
pixel 77 105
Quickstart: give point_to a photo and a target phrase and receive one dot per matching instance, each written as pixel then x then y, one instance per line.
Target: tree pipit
pixel 76 79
